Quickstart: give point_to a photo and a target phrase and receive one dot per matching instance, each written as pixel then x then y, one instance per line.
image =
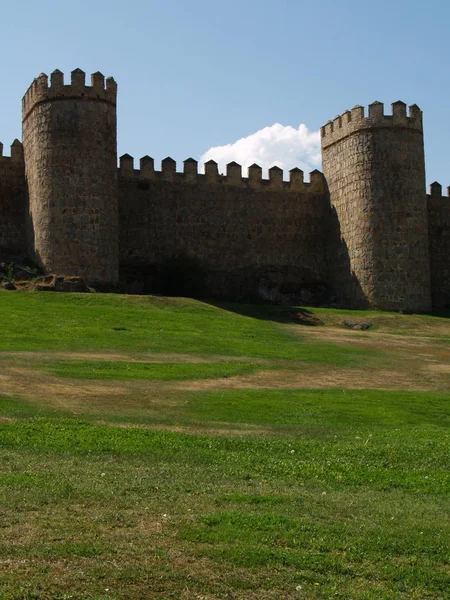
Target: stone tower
pixel 70 150
pixel 375 171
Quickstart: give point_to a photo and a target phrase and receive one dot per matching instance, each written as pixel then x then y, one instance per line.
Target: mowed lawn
pixel 171 448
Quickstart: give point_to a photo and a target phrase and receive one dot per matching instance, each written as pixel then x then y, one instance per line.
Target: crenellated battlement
pixel 354 120
pixel 211 176
pixel 435 191
pixel 361 234
pixel 40 90
pixel 16 156
pixel 70 146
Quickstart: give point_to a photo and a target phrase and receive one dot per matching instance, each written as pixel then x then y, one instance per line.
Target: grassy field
pixel 170 448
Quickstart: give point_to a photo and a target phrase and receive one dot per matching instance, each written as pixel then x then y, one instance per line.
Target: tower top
pixel 355 120
pixel 40 90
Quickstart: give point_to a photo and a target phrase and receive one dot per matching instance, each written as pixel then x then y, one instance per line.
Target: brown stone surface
pixel 12 201
pixel 242 241
pixel 439 233
pixel 69 138
pixel 365 232
pixel 375 173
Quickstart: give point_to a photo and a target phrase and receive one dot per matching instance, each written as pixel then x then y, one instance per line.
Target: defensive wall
pixel 375 170
pixel 364 233
pixel 70 151
pixel 439 234
pixel 241 237
pixel 13 200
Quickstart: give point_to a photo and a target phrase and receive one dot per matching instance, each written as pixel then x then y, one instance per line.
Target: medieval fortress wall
pixel 249 236
pixel 439 235
pixel 364 230
pixel 69 141
pixel 375 170
pixel 13 199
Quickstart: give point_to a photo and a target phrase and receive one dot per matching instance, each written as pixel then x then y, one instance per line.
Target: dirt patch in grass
pixel 81 396
pixel 345 378
pixel 242 430
pixel 410 365
pixel 139 357
pixel 439 368
pixel 28 382
pixel 371 338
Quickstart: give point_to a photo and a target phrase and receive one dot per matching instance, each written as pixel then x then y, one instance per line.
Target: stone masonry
pixel 375 171
pixel 69 142
pixel 362 234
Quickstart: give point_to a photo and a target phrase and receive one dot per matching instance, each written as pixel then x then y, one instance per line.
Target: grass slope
pixel 48 321
pixel 139 324
pixel 224 493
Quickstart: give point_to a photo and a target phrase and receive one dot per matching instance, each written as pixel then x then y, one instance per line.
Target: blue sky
pixel 199 74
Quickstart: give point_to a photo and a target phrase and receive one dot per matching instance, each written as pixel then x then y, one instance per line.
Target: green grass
pixel 367 453
pixel 45 321
pixel 108 322
pixel 434 325
pixel 360 510
pixel 123 370
pixel 326 409
pixel 222 494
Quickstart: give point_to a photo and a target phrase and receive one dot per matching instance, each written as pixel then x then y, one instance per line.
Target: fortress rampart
pixel 362 234
pixel 69 139
pixel 353 121
pixel 41 92
pixel 375 171
pixel 241 237
pixel 211 176
pixel 439 235
pixel 13 199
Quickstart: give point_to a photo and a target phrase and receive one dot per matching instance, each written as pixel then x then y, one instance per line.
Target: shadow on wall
pixel 442 313
pixel 185 275
pixel 29 232
pixel 182 275
pixel 341 278
pixel 178 275
pixel 287 285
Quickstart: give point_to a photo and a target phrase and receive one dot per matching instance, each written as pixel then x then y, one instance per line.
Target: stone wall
pixel 222 236
pixel 439 229
pixel 12 202
pixel 363 232
pixel 69 138
pixel 374 167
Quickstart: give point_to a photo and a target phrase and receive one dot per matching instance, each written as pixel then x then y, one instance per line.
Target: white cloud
pixel 279 145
